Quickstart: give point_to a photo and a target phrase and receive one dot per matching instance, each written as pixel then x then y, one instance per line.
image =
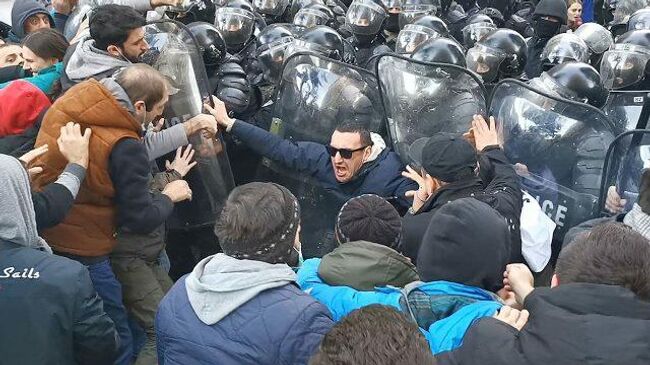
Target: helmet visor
pixel 270 7
pixel 365 17
pixel 310 18
pixel 475 32
pixel 412 36
pixel 298 45
pixel 565 48
pixel 640 21
pixel 236 25
pixel 393 6
pixel 272 56
pixel 597 37
pixel 485 61
pixel 411 12
pixel 623 66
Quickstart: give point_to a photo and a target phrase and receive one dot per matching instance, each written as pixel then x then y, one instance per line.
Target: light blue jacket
pixel 444 334
pixel 44 80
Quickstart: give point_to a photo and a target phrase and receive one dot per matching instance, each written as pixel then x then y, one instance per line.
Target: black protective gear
pixel 440 50
pixel 552 8
pixel 236 25
pixel 271 44
pixel 455 20
pixel 500 54
pixel 201 11
pixel 597 37
pixel 321 39
pixel 271 8
pixel 477 26
pixel 309 18
pixel 413 9
pixel 637 38
pixel 521 25
pixel 433 22
pixel 495 15
pixel 233 88
pixel 562 48
pixel 627 63
pixel 210 43
pixel 365 19
pixel 582 81
pixel 639 20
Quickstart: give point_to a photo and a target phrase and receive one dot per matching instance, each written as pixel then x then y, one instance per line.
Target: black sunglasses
pixel 345 153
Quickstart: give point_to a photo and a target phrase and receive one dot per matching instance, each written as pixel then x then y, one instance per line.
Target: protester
pixel 375 334
pixel 598 303
pixel 368 230
pixel 115 193
pixel 137 264
pixel 42 53
pixel 449 164
pixel 242 306
pixel 352 164
pixel 28 16
pixel 463 255
pixel 574 14
pixel 50 312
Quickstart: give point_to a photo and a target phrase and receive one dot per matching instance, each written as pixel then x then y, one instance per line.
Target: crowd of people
pixel 325 182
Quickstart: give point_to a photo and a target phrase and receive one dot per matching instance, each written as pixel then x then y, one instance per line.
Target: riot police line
pixel 406 70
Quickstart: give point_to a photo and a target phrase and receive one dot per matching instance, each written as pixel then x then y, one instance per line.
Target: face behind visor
pixel 272 56
pixel 412 36
pixel 474 32
pixel 485 61
pixel 624 65
pixel 365 17
pixel 235 25
pixel 310 18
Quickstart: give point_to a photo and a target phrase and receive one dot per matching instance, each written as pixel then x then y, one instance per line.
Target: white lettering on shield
pixel 558 215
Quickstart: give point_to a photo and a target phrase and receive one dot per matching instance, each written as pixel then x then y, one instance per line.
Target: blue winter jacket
pixel 44 80
pixel 444 310
pixel 280 326
pixel 382 176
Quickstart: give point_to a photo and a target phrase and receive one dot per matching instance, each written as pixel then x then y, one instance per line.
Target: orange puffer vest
pixel 89 228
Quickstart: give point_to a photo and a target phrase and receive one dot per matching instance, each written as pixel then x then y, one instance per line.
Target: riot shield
pixel 315 95
pixel 174 53
pixel 623 108
pixel 558 148
pixel 421 99
pixel 627 159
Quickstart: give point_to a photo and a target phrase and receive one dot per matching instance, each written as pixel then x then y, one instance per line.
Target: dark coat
pixel 534 66
pixel 55 317
pixel 573 324
pixel 501 191
pixel 383 176
pixel 279 326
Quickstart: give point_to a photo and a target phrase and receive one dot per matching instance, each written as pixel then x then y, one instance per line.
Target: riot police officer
pixel 423 29
pixel 577 81
pixel 624 66
pixel 548 19
pixel 365 20
pixel 478 25
pixel 322 40
pixel 597 38
pixel 500 54
pixel 440 50
pixel 639 20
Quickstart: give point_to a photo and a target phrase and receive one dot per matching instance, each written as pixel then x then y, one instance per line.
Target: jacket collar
pixel 451 191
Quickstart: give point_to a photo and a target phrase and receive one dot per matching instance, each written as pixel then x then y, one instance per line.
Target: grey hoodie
pixel 220 284
pixel 89 62
pixel 22 10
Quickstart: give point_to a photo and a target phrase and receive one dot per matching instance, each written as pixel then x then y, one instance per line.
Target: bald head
pixel 142 82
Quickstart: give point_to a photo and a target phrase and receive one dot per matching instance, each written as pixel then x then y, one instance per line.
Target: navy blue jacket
pixel 280 326
pixel 382 176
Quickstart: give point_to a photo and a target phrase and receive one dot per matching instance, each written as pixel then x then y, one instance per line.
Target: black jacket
pixel 573 324
pixel 50 314
pixel 534 65
pixel 501 191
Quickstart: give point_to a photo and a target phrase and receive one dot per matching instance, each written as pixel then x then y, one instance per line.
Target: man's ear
pixel 555 281
pixel 366 153
pixel 140 106
pixel 114 51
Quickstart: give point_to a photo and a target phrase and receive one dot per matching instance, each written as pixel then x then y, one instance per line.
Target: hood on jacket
pixel 466 242
pixel 88 61
pixel 118 93
pixel 17 216
pixel 220 284
pixel 22 10
pixel 365 265
pixel 22 105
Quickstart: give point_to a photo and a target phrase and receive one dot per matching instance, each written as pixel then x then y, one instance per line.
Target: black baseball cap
pixel 446 156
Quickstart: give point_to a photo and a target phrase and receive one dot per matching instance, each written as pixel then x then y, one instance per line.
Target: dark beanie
pixel 449 157
pixel 369 218
pixel 467 242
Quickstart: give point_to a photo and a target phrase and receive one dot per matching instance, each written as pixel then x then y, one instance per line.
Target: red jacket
pixel 21 103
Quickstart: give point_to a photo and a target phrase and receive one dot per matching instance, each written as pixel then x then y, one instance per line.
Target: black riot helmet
pixel 272 43
pixel 478 25
pixel 413 9
pixel 440 50
pixel 501 53
pixel 563 48
pixel 365 18
pixel 495 15
pixel 625 65
pixel 236 23
pixel 210 43
pixel 639 20
pixel 577 81
pixel 321 40
pixel 597 37
pixel 313 15
pixel 271 8
pixel 433 22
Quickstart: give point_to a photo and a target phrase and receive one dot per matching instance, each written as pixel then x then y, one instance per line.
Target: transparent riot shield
pixel 558 148
pixel 623 108
pixel 421 99
pixel 628 158
pixel 174 53
pixel 79 14
pixel 314 96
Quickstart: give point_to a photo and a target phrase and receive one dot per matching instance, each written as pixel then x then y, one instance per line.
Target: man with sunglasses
pixel 355 162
